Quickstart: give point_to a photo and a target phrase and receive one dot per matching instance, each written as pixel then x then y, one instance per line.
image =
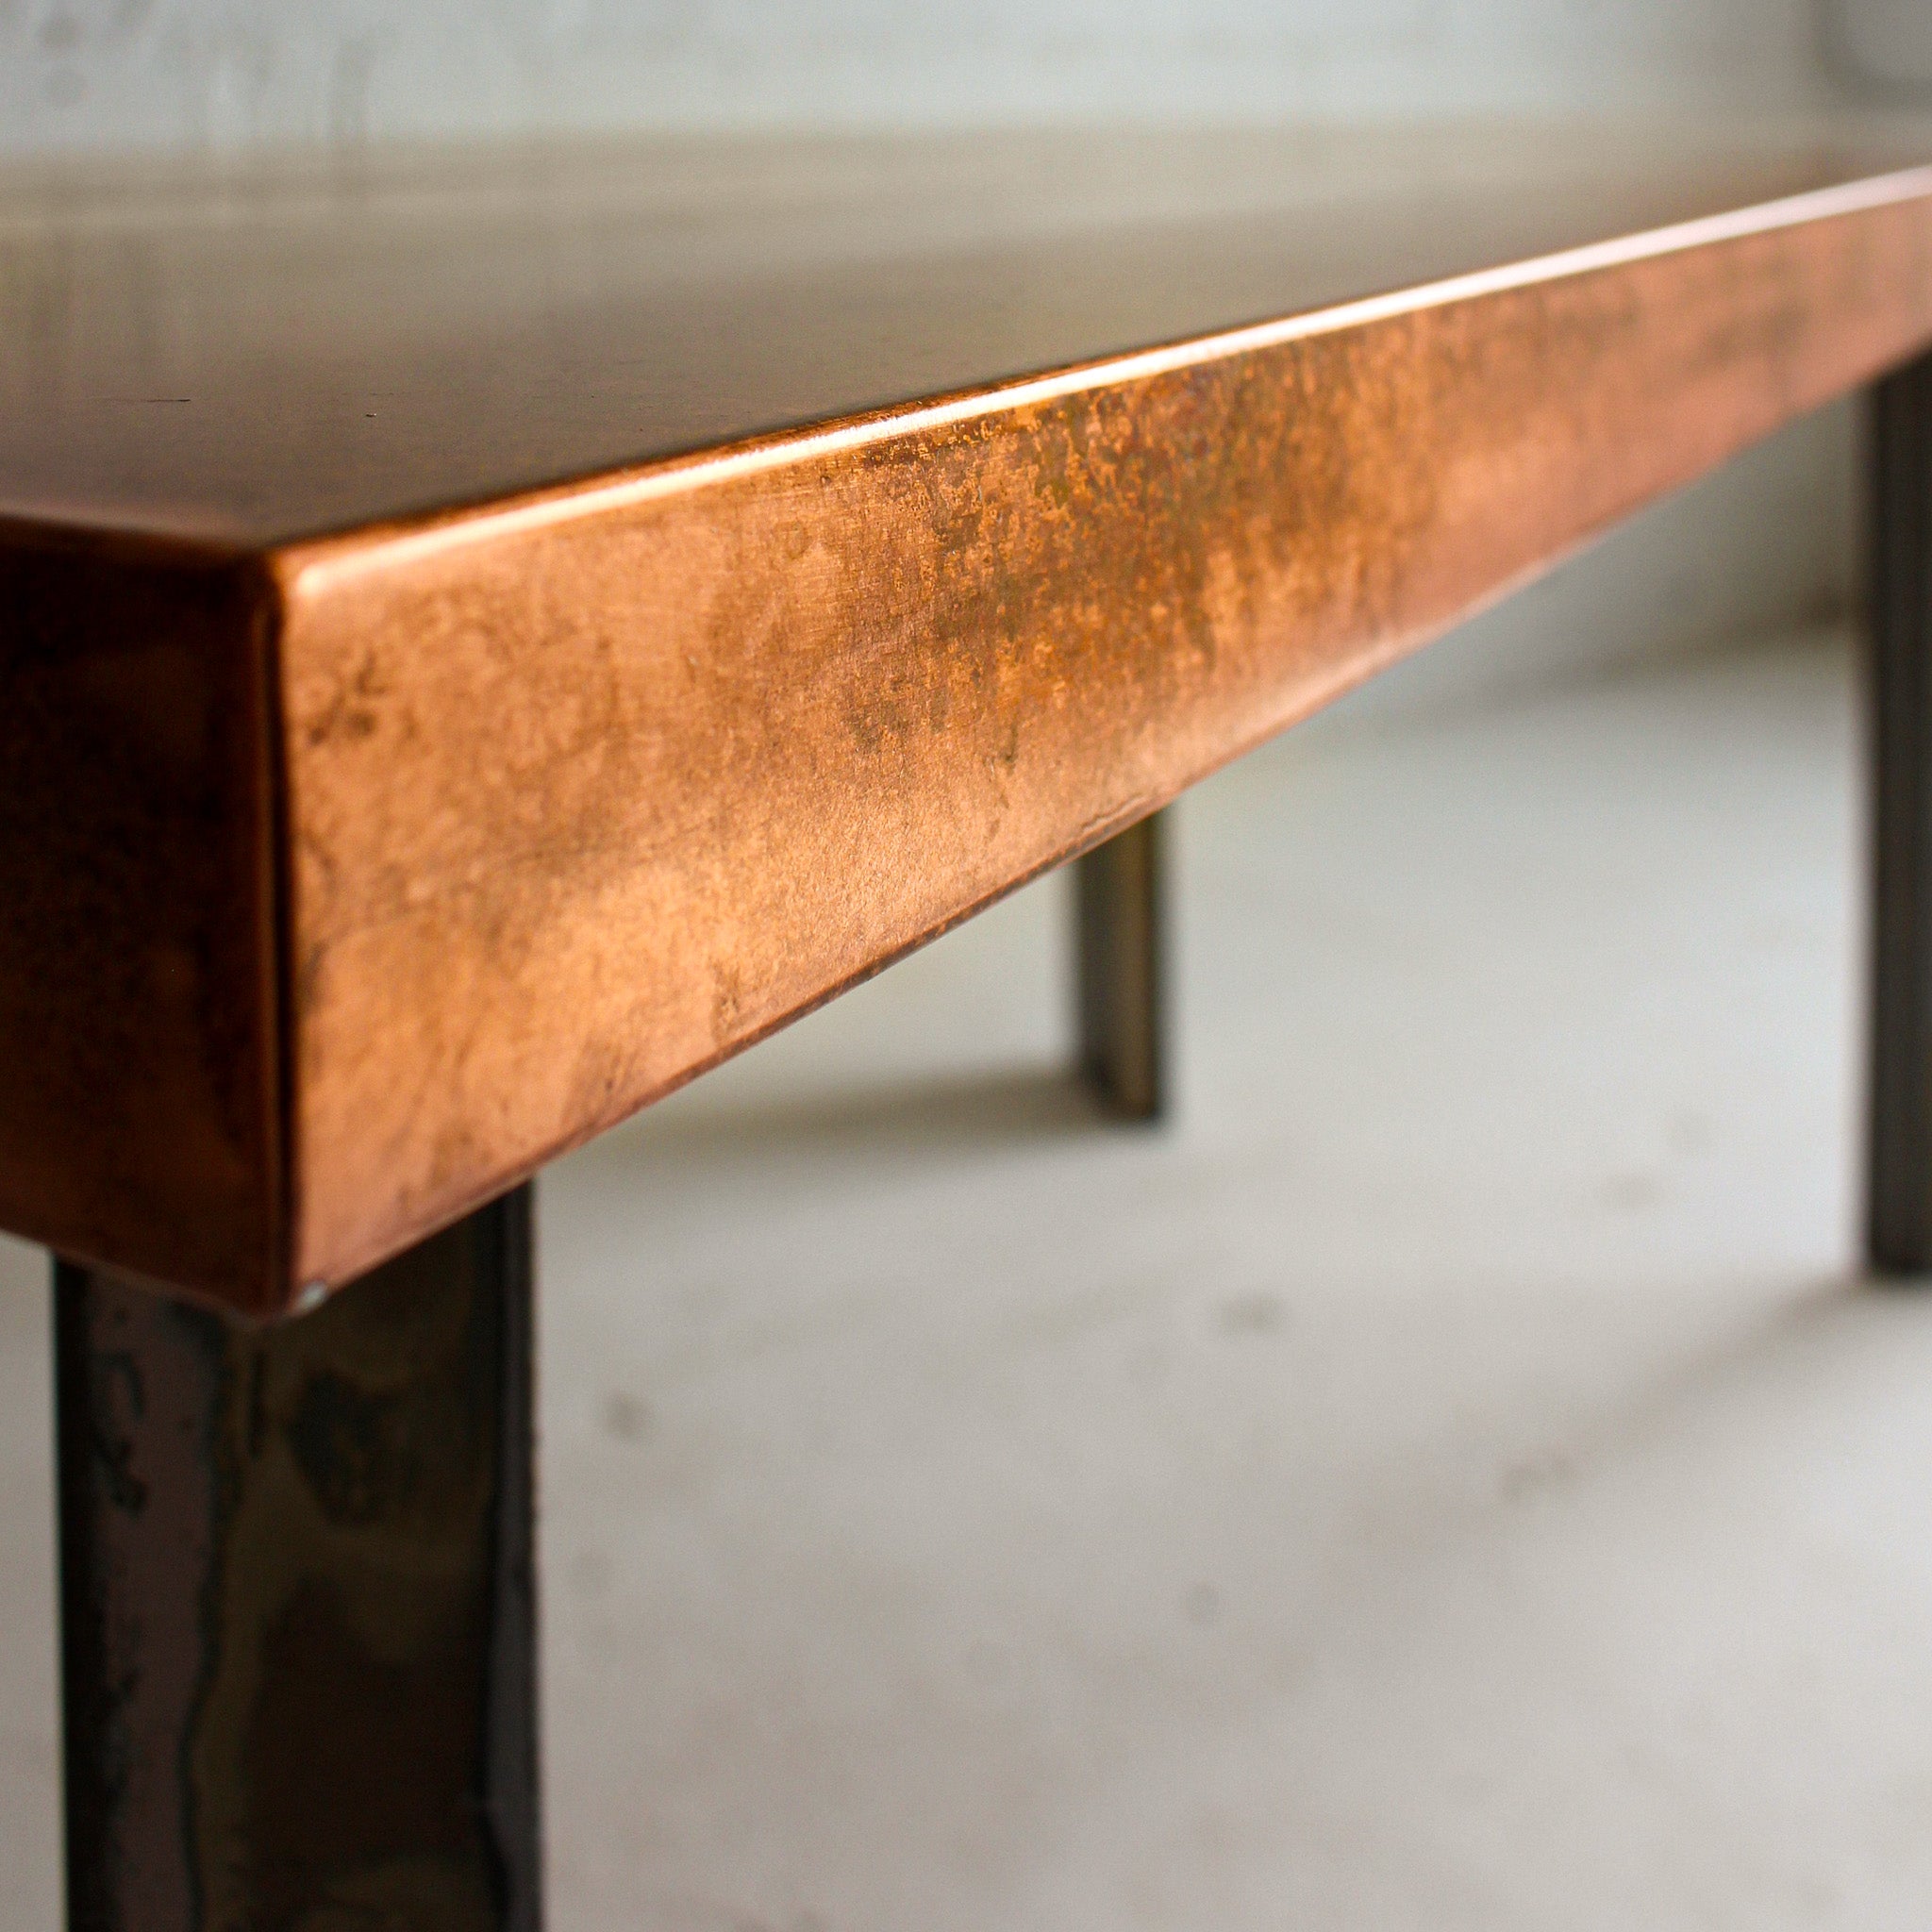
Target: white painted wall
pixel 1880 45
pixel 84 73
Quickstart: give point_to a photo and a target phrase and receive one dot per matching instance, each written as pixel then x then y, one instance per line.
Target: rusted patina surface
pixel 297 1605
pixel 523 810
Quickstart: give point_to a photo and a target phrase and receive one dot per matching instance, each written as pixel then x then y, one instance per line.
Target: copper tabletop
pixel 484 635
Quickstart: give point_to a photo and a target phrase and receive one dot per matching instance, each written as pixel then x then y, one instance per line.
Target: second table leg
pixel 1121 935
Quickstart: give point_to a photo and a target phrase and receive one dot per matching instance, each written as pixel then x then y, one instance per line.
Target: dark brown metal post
pixel 1121 918
pixel 297 1601
pixel 1899 1181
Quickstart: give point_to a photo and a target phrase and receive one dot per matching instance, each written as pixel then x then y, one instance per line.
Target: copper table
pixel 485 636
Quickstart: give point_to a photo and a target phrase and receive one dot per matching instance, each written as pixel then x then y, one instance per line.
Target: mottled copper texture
pixel 585 790
pixel 730 743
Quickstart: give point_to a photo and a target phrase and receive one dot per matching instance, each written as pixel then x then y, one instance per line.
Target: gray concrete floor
pixel 1447 1478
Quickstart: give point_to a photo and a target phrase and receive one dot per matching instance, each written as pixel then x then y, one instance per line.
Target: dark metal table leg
pixel 1898 1228
pixel 1122 941
pixel 297 1601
